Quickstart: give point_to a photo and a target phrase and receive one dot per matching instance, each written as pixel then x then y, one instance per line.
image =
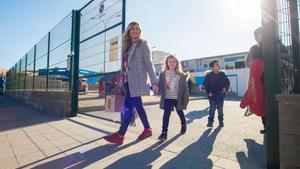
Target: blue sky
pixel 191 29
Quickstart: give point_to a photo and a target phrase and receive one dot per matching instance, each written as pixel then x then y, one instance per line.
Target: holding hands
pixel 155 88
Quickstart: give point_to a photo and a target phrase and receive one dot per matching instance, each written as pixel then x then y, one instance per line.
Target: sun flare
pixel 242 8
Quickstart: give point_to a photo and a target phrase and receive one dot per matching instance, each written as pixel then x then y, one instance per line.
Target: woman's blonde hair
pixel 126 42
pixel 178 68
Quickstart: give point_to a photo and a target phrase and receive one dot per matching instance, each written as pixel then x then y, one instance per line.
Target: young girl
pixel 174 93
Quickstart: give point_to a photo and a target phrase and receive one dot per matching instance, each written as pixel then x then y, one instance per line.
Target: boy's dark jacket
pixel 215 82
pixel 183 94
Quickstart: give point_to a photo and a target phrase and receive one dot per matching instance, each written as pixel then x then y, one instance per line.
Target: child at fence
pixel 174 93
pixel 216 84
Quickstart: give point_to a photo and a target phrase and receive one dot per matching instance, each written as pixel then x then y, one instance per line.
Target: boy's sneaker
pixel 263 131
pixel 221 124
pixel 114 138
pixel 183 129
pixel 145 134
pixel 209 124
pixel 163 136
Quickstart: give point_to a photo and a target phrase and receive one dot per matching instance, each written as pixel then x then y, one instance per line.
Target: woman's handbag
pixel 248 112
pixel 115 102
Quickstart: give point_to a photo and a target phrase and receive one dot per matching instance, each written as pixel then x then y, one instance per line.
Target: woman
pixel 135 68
pixel 254 97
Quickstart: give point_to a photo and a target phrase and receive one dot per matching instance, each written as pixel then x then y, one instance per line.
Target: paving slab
pixel 30 138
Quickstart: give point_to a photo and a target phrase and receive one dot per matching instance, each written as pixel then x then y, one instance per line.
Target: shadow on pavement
pixel 144 158
pixel 256 155
pixel 99 115
pixel 89 126
pixel 196 155
pixel 193 115
pixel 14 115
pixel 91 108
pixel 81 160
pixel 77 157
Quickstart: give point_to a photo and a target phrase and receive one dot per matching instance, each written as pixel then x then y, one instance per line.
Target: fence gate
pixel 280 23
pixel 102 23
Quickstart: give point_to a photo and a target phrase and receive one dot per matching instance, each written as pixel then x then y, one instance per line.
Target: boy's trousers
pixel 216 102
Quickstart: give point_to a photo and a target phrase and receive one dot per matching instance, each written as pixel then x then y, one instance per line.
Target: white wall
pixel 243 77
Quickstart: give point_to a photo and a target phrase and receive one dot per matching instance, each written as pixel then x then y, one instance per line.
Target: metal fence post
pixel 295 43
pixel 20 69
pixel 25 71
pixel 33 76
pixel 48 55
pixel 75 40
pixel 15 77
pixel 123 16
pixel 272 80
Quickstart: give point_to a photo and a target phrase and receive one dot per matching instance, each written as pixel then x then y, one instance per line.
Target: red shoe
pixel 146 133
pixel 114 138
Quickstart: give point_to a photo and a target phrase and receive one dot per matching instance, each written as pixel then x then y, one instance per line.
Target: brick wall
pixel 57 102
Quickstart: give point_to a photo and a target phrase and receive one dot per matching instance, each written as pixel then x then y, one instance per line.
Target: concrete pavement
pixel 30 138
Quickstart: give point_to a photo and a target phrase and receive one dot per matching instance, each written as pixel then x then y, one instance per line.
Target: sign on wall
pixel 113 49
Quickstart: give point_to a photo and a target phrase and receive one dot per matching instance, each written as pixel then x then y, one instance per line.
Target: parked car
pixel 83 86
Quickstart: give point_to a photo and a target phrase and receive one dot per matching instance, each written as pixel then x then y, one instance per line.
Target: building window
pixel 233 59
pixel 229 65
pixel 184 64
pixel 240 65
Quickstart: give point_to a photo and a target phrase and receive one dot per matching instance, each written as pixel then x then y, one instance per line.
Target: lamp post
pixel 104 43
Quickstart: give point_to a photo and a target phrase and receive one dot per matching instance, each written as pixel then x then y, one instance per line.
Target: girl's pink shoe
pixel 146 133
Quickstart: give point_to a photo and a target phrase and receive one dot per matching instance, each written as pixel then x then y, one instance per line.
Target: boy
pixel 216 84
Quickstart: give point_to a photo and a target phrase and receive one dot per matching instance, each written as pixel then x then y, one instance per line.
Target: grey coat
pixel 183 94
pixel 140 69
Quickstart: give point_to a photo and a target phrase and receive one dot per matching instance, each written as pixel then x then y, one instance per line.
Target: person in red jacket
pixel 254 97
